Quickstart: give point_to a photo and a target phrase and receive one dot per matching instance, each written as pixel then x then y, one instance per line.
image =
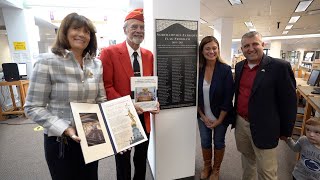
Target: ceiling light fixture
pixel 303 5
pixel 235 2
pixel 203 21
pixel 248 24
pixel 285 32
pixel 294 19
pixel 288 26
pixel 211 27
pixel 252 29
pixel 286 37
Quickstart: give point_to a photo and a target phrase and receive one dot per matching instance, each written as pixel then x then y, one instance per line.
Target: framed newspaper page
pixel 107 128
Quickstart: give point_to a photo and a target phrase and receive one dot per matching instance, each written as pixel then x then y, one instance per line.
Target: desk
pixel 305 91
pixel 23 86
pixel 312 101
pixel 301 82
pixel 315 102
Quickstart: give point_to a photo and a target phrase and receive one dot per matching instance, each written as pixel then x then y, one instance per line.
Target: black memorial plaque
pixel 176 43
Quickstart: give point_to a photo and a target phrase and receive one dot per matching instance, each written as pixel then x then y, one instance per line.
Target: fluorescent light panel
pixel 248 24
pixel 203 21
pixel 288 26
pixel 211 27
pixel 286 37
pixel 252 29
pixel 294 19
pixel 303 5
pixel 285 32
pixel 235 2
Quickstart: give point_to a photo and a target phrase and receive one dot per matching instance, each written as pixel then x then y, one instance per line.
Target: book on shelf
pixel 107 128
pixel 144 92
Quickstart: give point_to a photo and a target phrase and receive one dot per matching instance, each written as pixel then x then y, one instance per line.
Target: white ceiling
pixel 264 14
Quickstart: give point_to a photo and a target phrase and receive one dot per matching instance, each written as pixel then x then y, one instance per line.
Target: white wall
pixel 4 47
pixel 4 50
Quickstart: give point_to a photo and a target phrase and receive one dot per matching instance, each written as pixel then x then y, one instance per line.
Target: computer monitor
pixel 309 56
pixel 10 71
pixel 314 77
pixel 22 69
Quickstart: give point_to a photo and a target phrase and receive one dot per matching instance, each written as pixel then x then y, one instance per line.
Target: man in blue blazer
pixel 265 101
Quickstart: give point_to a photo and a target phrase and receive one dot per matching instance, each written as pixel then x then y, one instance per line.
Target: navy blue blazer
pixel 272 104
pixel 221 91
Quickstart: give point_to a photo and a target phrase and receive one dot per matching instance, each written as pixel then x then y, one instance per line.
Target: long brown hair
pixel 74 20
pixel 204 41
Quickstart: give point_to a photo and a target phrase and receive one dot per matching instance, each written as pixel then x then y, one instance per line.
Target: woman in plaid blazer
pixel 69 74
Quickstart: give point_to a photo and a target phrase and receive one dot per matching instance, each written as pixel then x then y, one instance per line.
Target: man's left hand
pixel 156 111
pixel 138 109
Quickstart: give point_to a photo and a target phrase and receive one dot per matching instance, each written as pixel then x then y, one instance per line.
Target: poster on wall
pixel 176 47
pixel 19 46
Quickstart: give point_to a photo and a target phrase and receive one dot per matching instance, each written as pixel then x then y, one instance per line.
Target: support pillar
pixel 23 36
pixel 223 28
pixel 275 49
pixel 173 136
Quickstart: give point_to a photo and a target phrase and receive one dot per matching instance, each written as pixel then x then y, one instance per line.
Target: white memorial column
pixel 23 36
pixel 275 49
pixel 172 145
pixel 223 28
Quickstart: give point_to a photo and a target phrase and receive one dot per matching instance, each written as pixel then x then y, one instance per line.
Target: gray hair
pixel 250 35
pixel 125 24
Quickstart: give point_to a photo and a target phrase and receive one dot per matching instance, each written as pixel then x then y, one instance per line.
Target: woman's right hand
pixel 206 121
pixel 71 132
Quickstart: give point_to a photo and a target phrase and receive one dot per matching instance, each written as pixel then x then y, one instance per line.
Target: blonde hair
pixel 314 121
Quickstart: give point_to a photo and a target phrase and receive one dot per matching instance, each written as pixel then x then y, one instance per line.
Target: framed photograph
pixel 144 92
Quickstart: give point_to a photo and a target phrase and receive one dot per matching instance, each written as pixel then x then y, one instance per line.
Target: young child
pixel 308 166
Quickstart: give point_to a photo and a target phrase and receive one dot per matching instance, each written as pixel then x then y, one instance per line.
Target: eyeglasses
pixel 136 26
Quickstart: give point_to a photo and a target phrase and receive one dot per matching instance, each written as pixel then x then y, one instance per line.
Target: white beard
pixel 136 40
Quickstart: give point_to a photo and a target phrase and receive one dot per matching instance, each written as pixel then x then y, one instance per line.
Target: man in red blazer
pixel 118 66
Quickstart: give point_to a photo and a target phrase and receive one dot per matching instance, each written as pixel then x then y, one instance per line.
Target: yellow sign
pixel 38 128
pixel 19 46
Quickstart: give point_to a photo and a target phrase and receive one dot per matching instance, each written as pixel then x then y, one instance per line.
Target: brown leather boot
pixel 217 160
pixel 207 157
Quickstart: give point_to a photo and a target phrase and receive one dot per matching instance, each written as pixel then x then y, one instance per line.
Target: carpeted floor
pixel 22 156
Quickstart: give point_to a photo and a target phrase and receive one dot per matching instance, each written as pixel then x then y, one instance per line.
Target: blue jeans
pixel 206 135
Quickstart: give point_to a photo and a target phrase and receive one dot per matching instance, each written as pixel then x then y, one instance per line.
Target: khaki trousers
pixel 263 161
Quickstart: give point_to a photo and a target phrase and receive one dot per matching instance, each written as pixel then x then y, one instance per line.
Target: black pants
pixel 139 159
pixel 71 165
